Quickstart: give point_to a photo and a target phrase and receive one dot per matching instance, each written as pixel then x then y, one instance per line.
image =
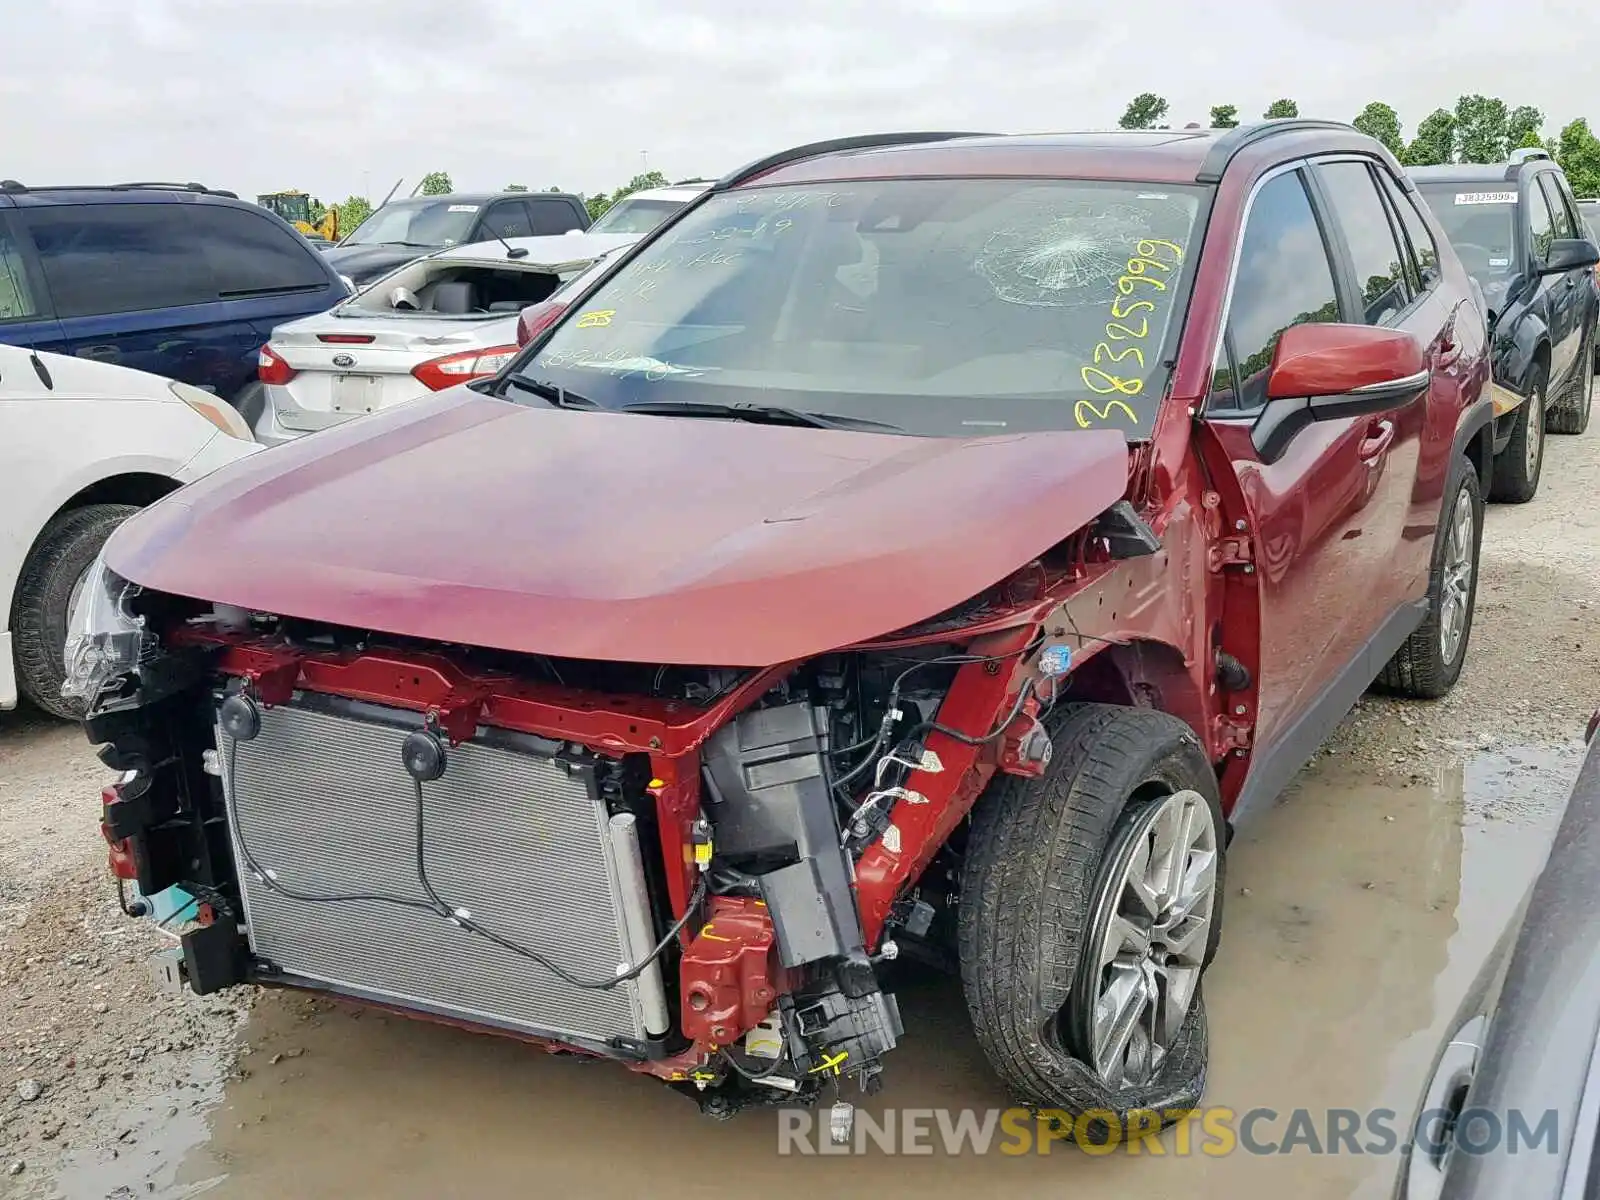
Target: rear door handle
pixel 1380 435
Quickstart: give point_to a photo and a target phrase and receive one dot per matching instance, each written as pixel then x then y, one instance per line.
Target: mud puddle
pixel 1357 916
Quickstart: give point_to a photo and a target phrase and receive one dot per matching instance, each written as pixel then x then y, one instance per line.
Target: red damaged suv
pixel 920 544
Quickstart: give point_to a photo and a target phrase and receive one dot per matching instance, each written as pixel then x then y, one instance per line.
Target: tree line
pixel 1479 129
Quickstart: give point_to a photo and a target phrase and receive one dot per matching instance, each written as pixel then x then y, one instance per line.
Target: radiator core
pixel 515 837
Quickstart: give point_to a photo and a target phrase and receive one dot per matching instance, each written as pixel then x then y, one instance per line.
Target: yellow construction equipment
pixel 295 208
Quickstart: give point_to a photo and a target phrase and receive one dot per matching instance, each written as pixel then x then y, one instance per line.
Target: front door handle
pixel 1380 435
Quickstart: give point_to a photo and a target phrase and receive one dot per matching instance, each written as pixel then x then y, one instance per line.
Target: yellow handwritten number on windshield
pixel 598 318
pixel 1142 268
pixel 1103 414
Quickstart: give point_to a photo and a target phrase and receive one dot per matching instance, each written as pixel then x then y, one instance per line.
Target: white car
pixel 429 325
pixel 82 446
pixel 639 212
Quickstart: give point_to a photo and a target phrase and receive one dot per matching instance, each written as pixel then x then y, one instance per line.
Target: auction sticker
pixel 474 207
pixel 1486 197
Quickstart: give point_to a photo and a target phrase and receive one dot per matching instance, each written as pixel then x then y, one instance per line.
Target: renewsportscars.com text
pixel 1214 1132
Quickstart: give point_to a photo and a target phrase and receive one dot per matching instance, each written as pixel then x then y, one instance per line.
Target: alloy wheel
pixel 1455 584
pixel 1149 934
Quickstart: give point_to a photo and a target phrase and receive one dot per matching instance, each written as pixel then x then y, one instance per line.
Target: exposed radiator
pixel 516 838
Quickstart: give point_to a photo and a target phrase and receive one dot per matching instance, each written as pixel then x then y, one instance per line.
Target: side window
pixel 1566 227
pixel 508 219
pixel 1374 252
pixel 16 294
pixel 552 216
pixel 1285 278
pixel 116 258
pixel 1423 248
pixel 250 255
pixel 1541 225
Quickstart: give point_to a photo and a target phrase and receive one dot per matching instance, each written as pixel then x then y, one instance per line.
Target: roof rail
pixel 1526 153
pixel 12 186
pixel 867 141
pixel 1225 147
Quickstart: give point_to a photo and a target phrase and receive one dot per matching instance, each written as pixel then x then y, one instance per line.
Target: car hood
pixel 467 519
pixel 365 263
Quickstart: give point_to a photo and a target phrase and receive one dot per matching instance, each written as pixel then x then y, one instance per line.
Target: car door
pixel 1551 289
pixel 1306 493
pixel 1401 498
pixel 25 315
pixel 132 286
pixel 1569 295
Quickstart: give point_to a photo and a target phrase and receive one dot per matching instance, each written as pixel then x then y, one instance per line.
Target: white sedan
pixel 82 446
pixel 431 324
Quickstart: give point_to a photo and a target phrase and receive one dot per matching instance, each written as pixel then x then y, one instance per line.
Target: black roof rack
pixel 12 186
pixel 867 141
pixel 1225 147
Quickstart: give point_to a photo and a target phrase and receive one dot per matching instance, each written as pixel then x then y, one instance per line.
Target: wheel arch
pixel 138 488
pixel 1141 673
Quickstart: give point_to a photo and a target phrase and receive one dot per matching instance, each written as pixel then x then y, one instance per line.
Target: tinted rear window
pixel 114 258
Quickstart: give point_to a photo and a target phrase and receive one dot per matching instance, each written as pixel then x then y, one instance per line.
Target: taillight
pixel 270 367
pixel 536 318
pixel 439 373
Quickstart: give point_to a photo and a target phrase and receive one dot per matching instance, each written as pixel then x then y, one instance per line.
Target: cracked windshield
pixel 988 306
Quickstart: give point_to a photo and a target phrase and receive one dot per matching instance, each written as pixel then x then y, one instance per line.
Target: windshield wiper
pixel 764 414
pixel 558 397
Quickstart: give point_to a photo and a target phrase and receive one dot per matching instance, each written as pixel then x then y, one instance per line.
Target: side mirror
pixel 1570 254
pixel 1346 369
pixel 1326 372
pixel 536 318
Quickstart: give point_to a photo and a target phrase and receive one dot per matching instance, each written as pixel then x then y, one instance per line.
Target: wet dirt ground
pixel 1358 911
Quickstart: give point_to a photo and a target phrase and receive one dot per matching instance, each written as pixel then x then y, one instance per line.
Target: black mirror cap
pixel 1570 254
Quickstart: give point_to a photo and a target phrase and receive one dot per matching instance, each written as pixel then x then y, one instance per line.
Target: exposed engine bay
pixel 701 872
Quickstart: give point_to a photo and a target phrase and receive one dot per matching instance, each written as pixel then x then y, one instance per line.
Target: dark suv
pixel 174 279
pixel 406 229
pixel 1517 230
pixel 923 543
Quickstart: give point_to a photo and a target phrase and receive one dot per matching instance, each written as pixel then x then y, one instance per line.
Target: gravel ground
pixel 87 1037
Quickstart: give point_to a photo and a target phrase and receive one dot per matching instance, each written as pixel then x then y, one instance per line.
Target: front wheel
pixel 52 576
pixel 1091 902
pixel 1428 664
pixel 1517 467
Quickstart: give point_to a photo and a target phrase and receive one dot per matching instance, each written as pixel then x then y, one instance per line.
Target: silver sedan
pixel 429 325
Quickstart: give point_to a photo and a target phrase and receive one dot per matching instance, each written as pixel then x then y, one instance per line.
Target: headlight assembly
pixel 104 636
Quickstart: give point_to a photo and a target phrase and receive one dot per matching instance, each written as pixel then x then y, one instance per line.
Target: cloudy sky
pixel 342 96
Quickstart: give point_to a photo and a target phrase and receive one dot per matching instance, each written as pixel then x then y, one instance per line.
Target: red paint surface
pixel 730 973
pixel 1329 360
pixel 632 538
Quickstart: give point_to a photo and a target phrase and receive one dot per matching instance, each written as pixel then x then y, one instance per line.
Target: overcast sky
pixel 342 96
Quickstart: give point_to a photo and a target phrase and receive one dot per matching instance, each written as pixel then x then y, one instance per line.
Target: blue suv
pixel 175 279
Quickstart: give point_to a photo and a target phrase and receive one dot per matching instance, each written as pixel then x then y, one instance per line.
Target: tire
pixel 1422 668
pixel 1571 413
pixel 251 402
pixel 64 551
pixel 1516 479
pixel 1040 859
